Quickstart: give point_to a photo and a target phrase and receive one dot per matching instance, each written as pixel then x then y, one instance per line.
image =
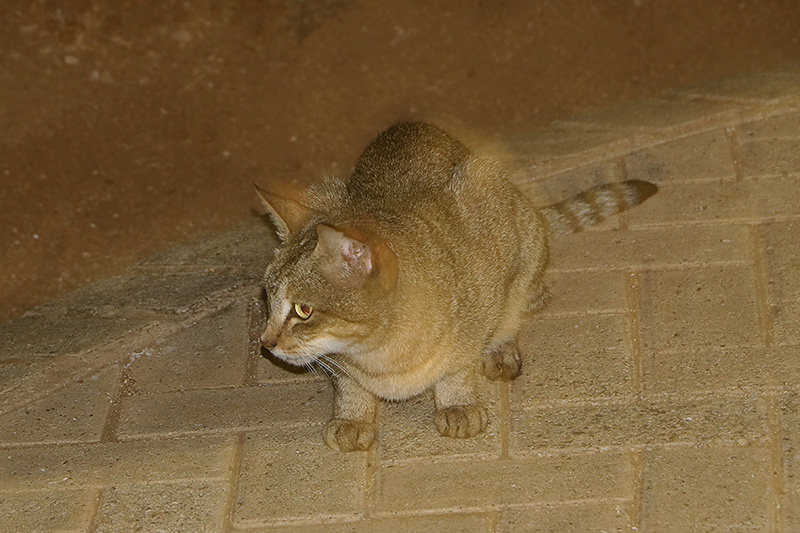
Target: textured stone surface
pixel 580 517
pixel 586 292
pixel 197 506
pixel 208 411
pixel 720 369
pixel 111 463
pixel 703 307
pixel 56 510
pixel 724 488
pixel 651 248
pixel 651 114
pixel 147 294
pixel 40 336
pixel 211 353
pixel 469 484
pixel 638 424
pixel 248 247
pixel 574 358
pixel 292 474
pixel 702 156
pixel 75 413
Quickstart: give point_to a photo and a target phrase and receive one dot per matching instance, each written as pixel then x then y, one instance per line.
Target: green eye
pixel 303 310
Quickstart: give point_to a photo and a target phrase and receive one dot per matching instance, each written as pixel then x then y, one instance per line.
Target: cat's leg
pixel 502 362
pixel 457 411
pixel 355 409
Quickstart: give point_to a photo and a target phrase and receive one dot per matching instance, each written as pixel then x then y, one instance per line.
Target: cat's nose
pixel 268 342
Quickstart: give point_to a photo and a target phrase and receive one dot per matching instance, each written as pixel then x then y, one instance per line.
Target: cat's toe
pixel 461 421
pixel 502 364
pixel 350 435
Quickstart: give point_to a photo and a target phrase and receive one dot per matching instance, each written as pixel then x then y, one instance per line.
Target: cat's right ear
pixel 288 216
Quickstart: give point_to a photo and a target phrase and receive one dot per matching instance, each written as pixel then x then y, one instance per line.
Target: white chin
pixel 294 359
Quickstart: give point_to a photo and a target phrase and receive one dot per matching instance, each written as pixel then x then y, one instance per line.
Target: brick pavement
pixel 660 391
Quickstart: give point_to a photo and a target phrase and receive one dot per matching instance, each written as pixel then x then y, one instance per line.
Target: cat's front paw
pixel 504 363
pixel 350 435
pixel 461 421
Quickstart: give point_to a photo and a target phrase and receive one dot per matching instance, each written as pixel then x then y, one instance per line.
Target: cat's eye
pixel 303 310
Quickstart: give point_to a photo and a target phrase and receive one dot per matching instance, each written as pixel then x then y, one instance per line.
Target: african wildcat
pixel 414 273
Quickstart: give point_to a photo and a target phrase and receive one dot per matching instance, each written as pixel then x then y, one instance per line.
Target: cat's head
pixel 328 286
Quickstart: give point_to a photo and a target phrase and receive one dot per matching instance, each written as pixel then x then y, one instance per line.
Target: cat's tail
pixel 595 205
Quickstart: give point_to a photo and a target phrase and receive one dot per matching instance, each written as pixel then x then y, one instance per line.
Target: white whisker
pixel 337 365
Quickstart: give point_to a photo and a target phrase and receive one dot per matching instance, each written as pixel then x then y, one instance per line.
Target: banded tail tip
pixel 644 189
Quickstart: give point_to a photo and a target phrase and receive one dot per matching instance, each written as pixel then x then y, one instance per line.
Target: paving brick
pixel 574 358
pixel 450 523
pixel 204 411
pixel 475 484
pixel 687 309
pixel 575 517
pixel 57 510
pixel 292 474
pixel 652 114
pixel 586 292
pixel 701 156
pixel 781 241
pixel 197 506
pixel 720 201
pixel 559 142
pixel 407 429
pixel 704 489
pixel 147 294
pixel 210 353
pixel 786 327
pixel 773 157
pixel 790 415
pixel 250 246
pixel 758 86
pixel 12 374
pixel 778 197
pixel 638 423
pixel 650 248
pixel 777 127
pixel 75 413
pixel 55 467
pixel 717 369
pixel 708 201
pixel 791 509
pixel 41 336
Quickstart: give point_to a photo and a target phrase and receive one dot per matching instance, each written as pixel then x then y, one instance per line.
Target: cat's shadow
pixel 283 365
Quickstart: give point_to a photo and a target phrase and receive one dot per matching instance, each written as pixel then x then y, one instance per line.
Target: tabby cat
pixel 414 273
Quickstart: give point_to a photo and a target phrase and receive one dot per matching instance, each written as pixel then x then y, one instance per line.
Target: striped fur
pixel 595 205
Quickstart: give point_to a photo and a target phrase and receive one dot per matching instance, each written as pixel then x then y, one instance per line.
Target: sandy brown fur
pixel 419 269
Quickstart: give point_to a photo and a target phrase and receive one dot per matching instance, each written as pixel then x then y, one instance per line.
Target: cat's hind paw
pixel 461 421
pixel 503 363
pixel 350 435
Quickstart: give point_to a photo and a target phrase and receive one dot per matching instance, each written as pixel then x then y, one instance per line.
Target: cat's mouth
pixel 293 358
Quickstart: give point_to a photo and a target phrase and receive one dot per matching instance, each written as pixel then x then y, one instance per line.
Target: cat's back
pixel 405 167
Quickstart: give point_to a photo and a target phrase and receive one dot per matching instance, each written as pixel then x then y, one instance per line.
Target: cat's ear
pixel 346 262
pixel 288 216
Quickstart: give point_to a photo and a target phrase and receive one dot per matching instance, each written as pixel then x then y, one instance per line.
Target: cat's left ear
pixel 346 262
pixel 287 215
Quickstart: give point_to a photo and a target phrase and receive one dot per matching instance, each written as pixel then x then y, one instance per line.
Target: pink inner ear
pixel 346 261
pixel 356 254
